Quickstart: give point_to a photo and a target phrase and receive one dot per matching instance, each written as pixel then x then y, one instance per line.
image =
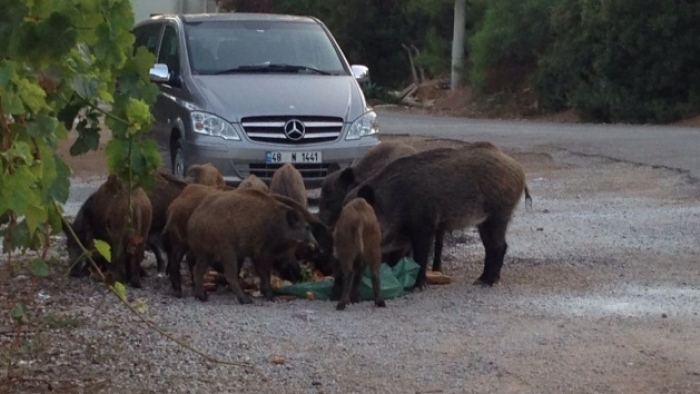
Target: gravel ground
pixel 599 295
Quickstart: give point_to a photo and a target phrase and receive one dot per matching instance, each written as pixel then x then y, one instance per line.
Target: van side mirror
pixel 159 73
pixel 360 72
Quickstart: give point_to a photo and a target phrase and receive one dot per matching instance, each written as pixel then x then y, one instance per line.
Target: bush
pixel 620 61
pixel 508 41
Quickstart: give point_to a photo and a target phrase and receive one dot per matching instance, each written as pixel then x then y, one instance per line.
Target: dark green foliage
pixel 623 61
pixel 507 42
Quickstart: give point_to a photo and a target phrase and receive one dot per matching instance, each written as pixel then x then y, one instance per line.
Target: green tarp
pixel 394 283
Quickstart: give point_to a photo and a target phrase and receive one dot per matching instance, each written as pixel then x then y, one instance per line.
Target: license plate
pixel 293 157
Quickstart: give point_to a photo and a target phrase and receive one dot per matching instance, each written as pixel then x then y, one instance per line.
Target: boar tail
pixel 359 241
pixel 528 199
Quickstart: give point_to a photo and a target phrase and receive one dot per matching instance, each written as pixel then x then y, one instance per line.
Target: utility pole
pixel 458 42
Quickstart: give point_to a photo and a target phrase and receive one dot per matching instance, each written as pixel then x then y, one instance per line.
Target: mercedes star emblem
pixel 294 129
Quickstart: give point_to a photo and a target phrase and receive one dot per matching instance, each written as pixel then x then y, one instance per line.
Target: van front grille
pixel 271 129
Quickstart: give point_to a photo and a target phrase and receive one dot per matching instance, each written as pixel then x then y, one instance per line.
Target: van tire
pixel 178 159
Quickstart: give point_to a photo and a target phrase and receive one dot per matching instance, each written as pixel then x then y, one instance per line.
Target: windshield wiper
pixel 272 68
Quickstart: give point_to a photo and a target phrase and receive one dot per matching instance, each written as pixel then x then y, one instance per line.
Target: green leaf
pixel 140 305
pixel 32 95
pixel 43 127
pixel 120 289
pixel 35 215
pixel 85 88
pixel 21 150
pixel 15 189
pixel 60 187
pixel 18 312
pixel 88 138
pixel 103 249
pixel 117 152
pixel 139 115
pixel 7 70
pixel 39 267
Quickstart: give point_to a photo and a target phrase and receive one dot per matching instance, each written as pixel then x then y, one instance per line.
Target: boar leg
pixel 200 267
pixel 356 281
pixel 376 286
pixel 175 255
pixel 493 236
pixel 263 266
pixel 348 279
pixel 154 246
pixel 230 264
pixel 422 240
pixel 437 255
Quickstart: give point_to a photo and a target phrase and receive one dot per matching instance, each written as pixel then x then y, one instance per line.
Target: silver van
pixel 250 92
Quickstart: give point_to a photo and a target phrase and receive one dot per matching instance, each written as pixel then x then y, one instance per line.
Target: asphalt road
pixel 665 146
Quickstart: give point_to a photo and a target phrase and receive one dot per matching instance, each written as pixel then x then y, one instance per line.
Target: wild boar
pixel 357 246
pixel 321 257
pixel 231 226
pixel 417 198
pixel 167 187
pixel 287 181
pixel 104 216
pixel 254 182
pixel 204 174
pixel 174 234
pixel 336 185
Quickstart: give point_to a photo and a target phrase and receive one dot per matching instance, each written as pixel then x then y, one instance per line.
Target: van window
pixel 223 45
pixel 147 36
pixel 170 49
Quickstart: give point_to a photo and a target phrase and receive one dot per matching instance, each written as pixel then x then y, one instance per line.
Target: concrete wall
pixel 144 8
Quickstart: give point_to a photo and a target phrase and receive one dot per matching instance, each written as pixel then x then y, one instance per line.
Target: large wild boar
pixel 167 187
pixel 226 228
pixel 357 245
pixel 418 198
pixel 204 174
pixel 336 185
pixel 104 216
pixel 174 234
pixel 253 182
pixel 287 181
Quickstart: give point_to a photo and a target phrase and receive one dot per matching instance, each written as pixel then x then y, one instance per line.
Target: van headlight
pixel 208 124
pixel 363 126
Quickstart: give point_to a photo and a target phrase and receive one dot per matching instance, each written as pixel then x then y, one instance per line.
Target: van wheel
pixel 178 160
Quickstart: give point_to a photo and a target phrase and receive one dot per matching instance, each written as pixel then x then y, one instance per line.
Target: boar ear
pixel 367 193
pixel 347 176
pixel 293 217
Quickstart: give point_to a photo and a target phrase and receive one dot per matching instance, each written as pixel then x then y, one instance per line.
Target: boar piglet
pixel 321 257
pixel 226 228
pixel 357 246
pixel 418 198
pixel 253 182
pixel 287 181
pixel 204 174
pixel 337 184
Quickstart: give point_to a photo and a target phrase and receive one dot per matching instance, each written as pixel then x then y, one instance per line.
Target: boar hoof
pixel 245 300
pixel 483 283
pixel 380 303
pixel 202 297
pixel 136 284
pixel 340 306
pixel 177 293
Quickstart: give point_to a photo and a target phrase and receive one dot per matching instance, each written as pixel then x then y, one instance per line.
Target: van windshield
pixel 217 47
